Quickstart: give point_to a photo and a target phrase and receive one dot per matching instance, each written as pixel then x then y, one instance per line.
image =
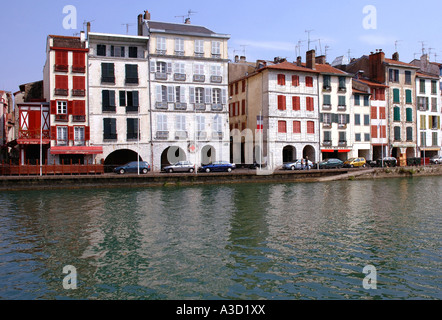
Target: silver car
pixel 181 166
pixel 297 165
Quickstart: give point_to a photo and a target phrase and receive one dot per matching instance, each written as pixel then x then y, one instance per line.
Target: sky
pixel 258 29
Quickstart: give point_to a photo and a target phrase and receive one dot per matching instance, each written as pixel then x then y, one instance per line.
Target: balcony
pixel 62 142
pixel 199 54
pixel 109 109
pixel 326 125
pixel 326 107
pixel 179 76
pixel 61 68
pixel 160 76
pixel 201 135
pixel 342 89
pixel 326 88
pixel 342 108
pixel 216 79
pixel 342 126
pixel 181 135
pixel 327 143
pixel 61 117
pixel 79 143
pixel 216 56
pixel 160 52
pixel 131 109
pixel 180 106
pixel 162 135
pixel 200 107
pixel 132 136
pixel 179 53
pixel 76 69
pixel 110 136
pixel 199 78
pixel 131 80
pixel 61 92
pixel 217 107
pixel 161 105
pixel 342 143
pixel 78 93
pixel 108 80
pixel 217 135
pixel 78 118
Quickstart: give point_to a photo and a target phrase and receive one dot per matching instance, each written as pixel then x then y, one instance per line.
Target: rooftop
pixel 184 29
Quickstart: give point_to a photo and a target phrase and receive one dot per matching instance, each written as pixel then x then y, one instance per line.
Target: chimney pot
pixel 311 60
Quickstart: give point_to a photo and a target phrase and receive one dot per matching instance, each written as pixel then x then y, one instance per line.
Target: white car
pixel 296 165
pixel 436 159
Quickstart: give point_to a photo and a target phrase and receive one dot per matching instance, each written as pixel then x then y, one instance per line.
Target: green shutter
pixel 396 98
pixel 397 114
pixel 408 98
pixel 122 98
pixel 409 114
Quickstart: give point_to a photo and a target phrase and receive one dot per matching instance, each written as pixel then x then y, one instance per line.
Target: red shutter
pixel 61 82
pixel 295 81
pixel 383 131
pixel 71 133
pixel 79 108
pixel 281 79
pixel 296 126
pixel 382 113
pixel 309 81
pixel 78 60
pixel 281 103
pixel 374 132
pixel 310 127
pixel 296 103
pixel 61 58
pixel 282 127
pixel 54 133
pixel 53 107
pixel 244 107
pixel 374 112
pixel 70 107
pixel 79 83
pixel 87 133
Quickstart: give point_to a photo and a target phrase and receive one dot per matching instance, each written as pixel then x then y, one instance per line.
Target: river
pixel 244 241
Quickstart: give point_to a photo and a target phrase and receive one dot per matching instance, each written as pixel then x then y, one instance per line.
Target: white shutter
pixel 208 94
pixel 170 94
pixel 224 96
pixel 192 95
pixel 159 94
pixel 169 67
pixel 182 94
pixel 153 67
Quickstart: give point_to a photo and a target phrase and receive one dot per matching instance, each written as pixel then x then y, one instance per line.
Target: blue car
pixel 218 166
pixel 132 167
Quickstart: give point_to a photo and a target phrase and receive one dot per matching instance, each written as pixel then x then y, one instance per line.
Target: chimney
pixel 140 24
pixel 242 59
pixel 299 61
pixel 187 21
pixel 82 36
pixel 146 15
pixel 88 28
pixel 311 60
pixel 395 56
pixel 321 60
pixel 376 66
pixel 236 59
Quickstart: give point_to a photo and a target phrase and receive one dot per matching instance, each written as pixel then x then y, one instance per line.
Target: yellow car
pixel 355 163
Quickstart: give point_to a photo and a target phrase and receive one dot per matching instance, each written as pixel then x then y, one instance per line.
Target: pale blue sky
pixel 264 29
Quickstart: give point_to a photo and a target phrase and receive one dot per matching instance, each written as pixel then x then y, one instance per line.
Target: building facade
pixel 188 82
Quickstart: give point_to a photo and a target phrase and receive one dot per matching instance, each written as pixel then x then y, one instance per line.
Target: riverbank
pixel 15 183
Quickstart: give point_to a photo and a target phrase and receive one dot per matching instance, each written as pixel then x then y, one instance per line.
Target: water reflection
pixel 272 241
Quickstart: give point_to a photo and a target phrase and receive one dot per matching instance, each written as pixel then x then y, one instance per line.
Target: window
pixel 423 122
pixel 216 49
pixel 434 138
pixel 200 123
pixel 366 137
pixel 132 73
pixel 327 100
pixel 374 132
pixel 79 86
pixel 244 86
pixel 434 104
pixel 382 113
pixel 308 81
pixel 217 124
pixel 408 97
pixel 396 114
pixel 281 79
pixel 393 75
pixel 216 96
pixel 342 137
pixel 282 127
pixel 407 77
pixel 327 118
pixel 161 45
pixel 296 101
pixel 215 70
pixel 199 69
pixel 79 111
pixel 79 136
pixel 243 107
pixel 327 83
pixel 422 85
pixel 366 119
pixel 342 83
pixel 357 119
pixel 281 102
pixel 161 67
pixel 107 73
pixel 179 46
pixel 62 136
pixel 61 61
pixel 180 94
pixel 180 122
pixel 327 137
pixel 366 101
pixel 309 104
pixel 199 47
pixel 422 103
pixel 397 133
pixel 409 114
pixel 296 126
pixel 423 139
pixel 295 80
pixel 117 51
pixel 109 129
pixel 129 99
pixel 383 132
pixel 133 52
pixel 61 85
pixel 101 50
pixel 310 127
pixel 62 107
pixel 396 96
pixel 433 87
pixel 379 94
pixel 357 100
pixel 343 119
pixel 409 131
pixel 132 129
pixel 79 62
pixel 199 95
pixel 162 122
pixel 108 100
pixel 358 137
pixel 341 101
pixel 374 112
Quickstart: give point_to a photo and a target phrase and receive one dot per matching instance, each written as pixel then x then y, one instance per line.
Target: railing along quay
pixel 9 169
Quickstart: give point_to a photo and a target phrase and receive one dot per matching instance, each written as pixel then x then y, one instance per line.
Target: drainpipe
pixel 149 91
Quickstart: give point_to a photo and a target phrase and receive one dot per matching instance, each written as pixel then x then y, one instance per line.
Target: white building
pixel 188 92
pixel 428 114
pixel 119 104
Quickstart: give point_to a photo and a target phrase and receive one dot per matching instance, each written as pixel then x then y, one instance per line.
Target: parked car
pixel 296 165
pixel 355 163
pixel 331 163
pixel 132 167
pixel 388 162
pixel 218 166
pixel 436 159
pixel 181 166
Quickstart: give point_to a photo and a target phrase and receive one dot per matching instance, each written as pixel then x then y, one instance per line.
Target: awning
pixel 430 149
pixel 326 150
pixel 344 151
pixel 76 150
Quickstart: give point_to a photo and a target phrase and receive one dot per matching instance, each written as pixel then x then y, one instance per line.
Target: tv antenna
pixel 243 46
pixel 423 47
pixel 186 18
pixel 327 48
pixel 85 23
pixel 308 32
pixel 127 26
pixel 396 45
pixel 298 48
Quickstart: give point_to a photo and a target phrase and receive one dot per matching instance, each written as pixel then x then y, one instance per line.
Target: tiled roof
pixel 426 75
pixel 400 63
pixel 289 66
pixel 326 68
pixel 371 83
pixel 179 28
pixel 359 91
